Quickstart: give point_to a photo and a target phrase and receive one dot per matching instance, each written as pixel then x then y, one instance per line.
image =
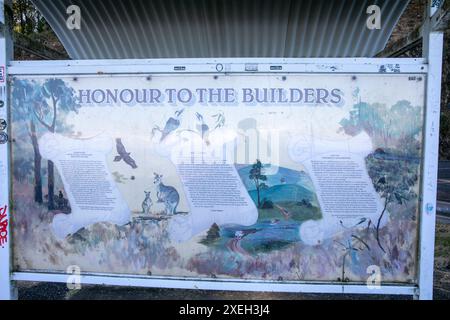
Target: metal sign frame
pixel 430 66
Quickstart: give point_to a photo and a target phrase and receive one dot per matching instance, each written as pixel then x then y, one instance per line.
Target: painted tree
pixel 388 127
pixel 395 133
pixel 26 97
pixel 353 246
pixel 406 125
pixel 369 118
pixel 58 98
pixel 395 181
pixel 23 167
pixel 256 174
pixel 213 233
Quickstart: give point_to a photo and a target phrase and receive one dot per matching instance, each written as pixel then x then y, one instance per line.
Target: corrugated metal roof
pixel 119 29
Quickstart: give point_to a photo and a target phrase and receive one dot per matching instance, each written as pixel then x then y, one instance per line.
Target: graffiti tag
pixel 3 226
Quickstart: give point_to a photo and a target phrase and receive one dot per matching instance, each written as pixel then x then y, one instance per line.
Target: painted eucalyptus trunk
pixel 37 165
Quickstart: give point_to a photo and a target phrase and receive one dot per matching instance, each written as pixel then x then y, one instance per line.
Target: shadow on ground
pixel 52 291
pixel 58 291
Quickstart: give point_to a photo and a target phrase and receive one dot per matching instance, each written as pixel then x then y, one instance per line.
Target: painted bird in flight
pixel 123 154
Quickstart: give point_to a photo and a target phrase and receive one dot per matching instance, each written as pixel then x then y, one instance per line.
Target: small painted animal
pixel 123 154
pixel 147 203
pixel 61 202
pixel 167 195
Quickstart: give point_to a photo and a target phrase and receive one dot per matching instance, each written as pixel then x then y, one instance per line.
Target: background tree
pixel 34 39
pixel 258 178
pixel 27 20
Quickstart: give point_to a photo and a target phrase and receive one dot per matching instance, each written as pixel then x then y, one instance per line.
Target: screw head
pixel 219 67
pixel 3 138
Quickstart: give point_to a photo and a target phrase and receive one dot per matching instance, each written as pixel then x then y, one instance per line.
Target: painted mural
pixel 297 178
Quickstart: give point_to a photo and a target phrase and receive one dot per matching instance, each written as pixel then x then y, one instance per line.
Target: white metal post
pixel 7 290
pixel 433 51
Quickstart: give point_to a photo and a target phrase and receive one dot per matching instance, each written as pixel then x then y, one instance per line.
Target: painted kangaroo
pixel 147 203
pixel 166 194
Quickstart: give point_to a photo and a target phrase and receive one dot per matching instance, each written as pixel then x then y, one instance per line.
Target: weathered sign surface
pixel 296 178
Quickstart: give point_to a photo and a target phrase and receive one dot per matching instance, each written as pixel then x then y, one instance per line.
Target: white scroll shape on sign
pixel 345 192
pixel 213 188
pixel 88 183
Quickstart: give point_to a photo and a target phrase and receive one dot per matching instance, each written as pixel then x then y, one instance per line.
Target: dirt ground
pixel 52 291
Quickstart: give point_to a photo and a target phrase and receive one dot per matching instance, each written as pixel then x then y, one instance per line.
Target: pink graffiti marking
pixel 3 226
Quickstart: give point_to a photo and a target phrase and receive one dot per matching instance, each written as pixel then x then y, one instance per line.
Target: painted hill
pixel 284 193
pixel 276 176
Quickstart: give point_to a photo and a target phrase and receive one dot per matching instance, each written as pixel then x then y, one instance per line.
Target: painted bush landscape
pixel 270 250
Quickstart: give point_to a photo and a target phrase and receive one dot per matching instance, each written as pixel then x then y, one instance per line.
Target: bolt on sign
pixel 262 177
